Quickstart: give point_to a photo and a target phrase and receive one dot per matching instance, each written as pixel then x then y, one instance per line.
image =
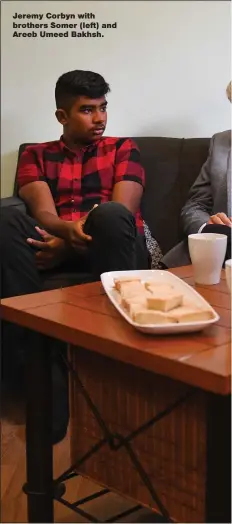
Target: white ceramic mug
pixel 207 252
pixel 228 267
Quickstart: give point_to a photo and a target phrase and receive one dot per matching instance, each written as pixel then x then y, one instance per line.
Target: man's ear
pixel 61 116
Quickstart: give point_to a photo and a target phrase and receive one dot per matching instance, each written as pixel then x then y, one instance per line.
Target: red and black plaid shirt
pixel 78 180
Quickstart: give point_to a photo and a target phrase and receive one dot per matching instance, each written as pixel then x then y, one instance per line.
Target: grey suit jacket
pixel 210 194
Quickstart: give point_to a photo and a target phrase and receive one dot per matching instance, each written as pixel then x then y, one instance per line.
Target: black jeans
pixel 115 245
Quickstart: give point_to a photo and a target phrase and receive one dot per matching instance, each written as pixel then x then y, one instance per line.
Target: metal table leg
pixel 39 451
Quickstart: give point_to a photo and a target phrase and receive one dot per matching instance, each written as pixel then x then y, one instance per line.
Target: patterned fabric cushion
pixel 153 248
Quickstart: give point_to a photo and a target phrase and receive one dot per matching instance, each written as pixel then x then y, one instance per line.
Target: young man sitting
pixel 83 194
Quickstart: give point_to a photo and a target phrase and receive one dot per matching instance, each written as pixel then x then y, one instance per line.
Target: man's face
pixel 86 120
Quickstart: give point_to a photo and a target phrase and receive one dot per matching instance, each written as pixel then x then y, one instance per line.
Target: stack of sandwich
pixel 156 303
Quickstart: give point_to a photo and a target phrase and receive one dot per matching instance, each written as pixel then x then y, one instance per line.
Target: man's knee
pixel 110 220
pixel 111 217
pixel 112 209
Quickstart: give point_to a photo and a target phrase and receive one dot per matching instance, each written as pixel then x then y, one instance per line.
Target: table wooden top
pixel 83 316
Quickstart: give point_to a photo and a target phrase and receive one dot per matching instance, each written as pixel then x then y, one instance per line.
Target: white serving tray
pixel 190 295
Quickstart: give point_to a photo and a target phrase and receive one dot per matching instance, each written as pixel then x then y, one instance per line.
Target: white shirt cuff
pixel 202 227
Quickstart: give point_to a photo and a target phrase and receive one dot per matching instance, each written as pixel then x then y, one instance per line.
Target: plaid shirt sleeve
pixel 127 163
pixel 28 168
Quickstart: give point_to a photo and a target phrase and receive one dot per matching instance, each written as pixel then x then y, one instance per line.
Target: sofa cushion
pixel 160 159
pixel 171 166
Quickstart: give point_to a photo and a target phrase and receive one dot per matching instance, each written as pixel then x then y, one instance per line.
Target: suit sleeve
pixel 199 205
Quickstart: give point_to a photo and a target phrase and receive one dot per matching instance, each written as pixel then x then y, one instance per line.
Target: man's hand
pixel 76 236
pixel 221 219
pixel 52 251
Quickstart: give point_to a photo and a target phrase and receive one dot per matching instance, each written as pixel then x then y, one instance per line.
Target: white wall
pixel 168 64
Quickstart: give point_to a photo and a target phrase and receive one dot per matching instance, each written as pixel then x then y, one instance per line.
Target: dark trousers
pixel 115 245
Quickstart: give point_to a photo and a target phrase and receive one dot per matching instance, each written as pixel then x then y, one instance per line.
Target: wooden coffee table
pixel 155 411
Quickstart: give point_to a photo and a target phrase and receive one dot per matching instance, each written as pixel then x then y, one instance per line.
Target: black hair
pixel 79 83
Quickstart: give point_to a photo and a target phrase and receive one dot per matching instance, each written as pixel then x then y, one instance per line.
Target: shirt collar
pixel 88 147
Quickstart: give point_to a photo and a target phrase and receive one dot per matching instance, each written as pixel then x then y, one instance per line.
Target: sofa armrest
pixel 13 202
